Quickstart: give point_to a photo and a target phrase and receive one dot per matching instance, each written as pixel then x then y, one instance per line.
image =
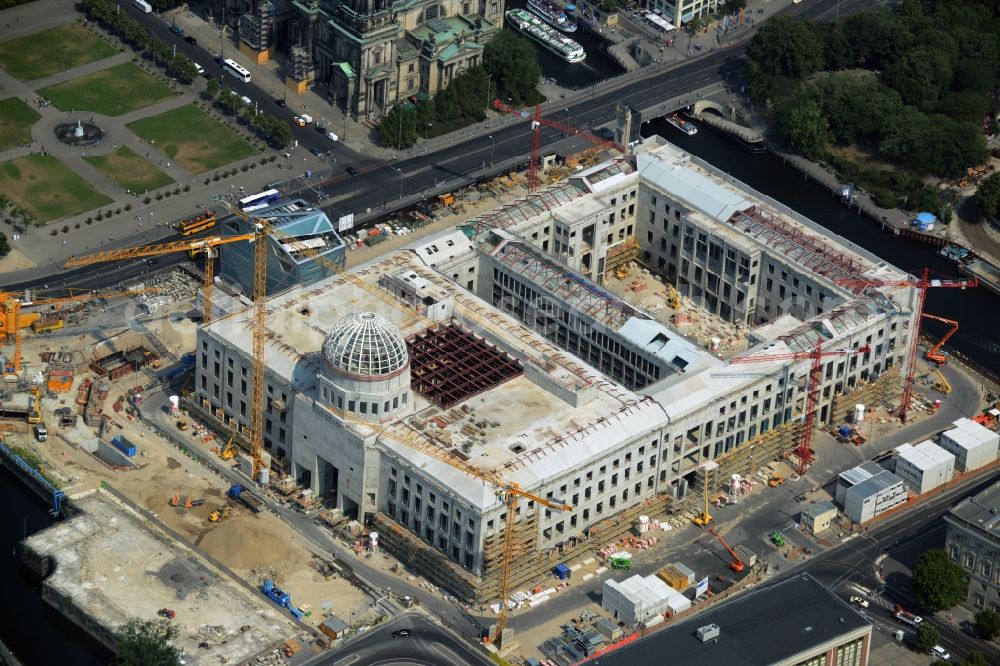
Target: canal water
pixel 34 631
pixel 597 67
pixel 974 309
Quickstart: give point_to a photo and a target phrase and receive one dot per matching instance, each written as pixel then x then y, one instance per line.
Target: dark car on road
pixel 280 102
pixel 352 171
pixel 190 40
pixel 401 633
pixel 318 152
pixel 177 30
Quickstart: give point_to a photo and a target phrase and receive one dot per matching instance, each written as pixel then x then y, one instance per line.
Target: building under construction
pixel 403 398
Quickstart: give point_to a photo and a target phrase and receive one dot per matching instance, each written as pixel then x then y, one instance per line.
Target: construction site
pixel 500 424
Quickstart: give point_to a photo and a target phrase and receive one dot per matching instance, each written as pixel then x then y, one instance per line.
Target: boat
pixel 533 27
pixel 956 253
pixel 552 15
pixel 685 126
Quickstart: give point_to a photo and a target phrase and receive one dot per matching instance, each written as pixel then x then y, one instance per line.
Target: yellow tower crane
pixel 508 492
pixel 193 246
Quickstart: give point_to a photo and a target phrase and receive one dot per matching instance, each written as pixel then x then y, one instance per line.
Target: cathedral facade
pixel 367 55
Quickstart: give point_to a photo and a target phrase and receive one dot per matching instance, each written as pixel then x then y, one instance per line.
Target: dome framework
pixel 365 345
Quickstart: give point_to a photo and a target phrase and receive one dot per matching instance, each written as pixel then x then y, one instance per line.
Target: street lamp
pixel 400 171
pixel 568 116
pixel 493 148
pixel 427 131
pixel 489 84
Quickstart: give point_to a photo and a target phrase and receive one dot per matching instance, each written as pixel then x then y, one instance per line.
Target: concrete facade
pixel 924 467
pixel 973 540
pixel 680 12
pixel 972 444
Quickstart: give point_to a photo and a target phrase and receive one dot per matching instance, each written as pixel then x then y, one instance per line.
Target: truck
pixel 246 498
pixel 47 324
pixel 306 118
pixel 907 617
pixel 41 434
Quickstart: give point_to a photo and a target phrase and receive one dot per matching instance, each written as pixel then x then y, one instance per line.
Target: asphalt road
pixel 851 567
pixel 381 184
pixel 429 645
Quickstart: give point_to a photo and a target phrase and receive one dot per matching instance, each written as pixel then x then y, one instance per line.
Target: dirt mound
pixel 242 544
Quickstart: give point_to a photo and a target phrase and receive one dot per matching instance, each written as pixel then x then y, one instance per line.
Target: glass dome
pixel 365 345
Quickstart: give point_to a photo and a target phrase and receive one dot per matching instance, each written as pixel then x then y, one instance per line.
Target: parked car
pixel 940 653
pixel 280 102
pixel 190 40
pixel 860 601
pixel 177 30
pixel 332 136
pixel 401 633
pixel 318 152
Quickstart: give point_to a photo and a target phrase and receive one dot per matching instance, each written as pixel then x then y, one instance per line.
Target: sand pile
pixel 242 543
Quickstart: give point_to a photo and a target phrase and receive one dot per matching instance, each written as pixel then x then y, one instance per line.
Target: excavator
pixel 220 514
pixel 934 353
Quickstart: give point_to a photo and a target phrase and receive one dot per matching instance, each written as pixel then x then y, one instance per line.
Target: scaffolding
pixel 255 27
pixel 797 245
pixel 300 63
pixel 449 364
pixel 530 563
pixel 882 391
pixel 747 458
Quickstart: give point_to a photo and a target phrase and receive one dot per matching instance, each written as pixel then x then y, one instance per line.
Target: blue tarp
pixel 561 571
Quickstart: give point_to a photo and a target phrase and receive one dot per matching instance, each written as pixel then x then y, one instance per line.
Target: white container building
pixel 924 467
pixel 972 444
pixel 639 598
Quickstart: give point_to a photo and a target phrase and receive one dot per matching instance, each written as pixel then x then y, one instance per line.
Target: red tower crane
pixel 922 284
pixel 804 450
pixel 536 125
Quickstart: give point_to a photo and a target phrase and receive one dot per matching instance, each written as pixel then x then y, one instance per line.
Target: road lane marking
pixel 446 653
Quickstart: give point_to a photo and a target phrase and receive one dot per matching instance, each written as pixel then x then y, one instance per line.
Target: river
pixel 974 309
pixel 35 632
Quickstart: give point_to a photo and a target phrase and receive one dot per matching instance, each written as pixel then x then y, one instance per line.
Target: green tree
pixel 949 147
pixel 877 38
pixel 806 128
pixel 938 582
pixel 926 636
pixel 398 128
pixel 512 62
pixel 212 88
pixel 784 48
pixel 920 77
pixel 278 133
pixel 4 245
pixel 988 195
pixel 903 134
pixel 975 658
pixel 146 643
pixel 695 25
pixel 183 68
pixel 987 623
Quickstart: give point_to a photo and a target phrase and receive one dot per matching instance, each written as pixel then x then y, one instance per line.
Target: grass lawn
pixel 44 187
pixel 56 50
pixel 112 91
pixel 130 171
pixel 16 119
pixel 193 139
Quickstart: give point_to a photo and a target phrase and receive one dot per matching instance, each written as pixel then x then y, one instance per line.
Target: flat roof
pixel 982 510
pixel 798 613
pixel 925 455
pixel 876 484
pixel 559 414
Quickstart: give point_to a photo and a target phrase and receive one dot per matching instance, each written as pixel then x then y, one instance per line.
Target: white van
pixel 332 136
pixel 246 100
pixel 198 68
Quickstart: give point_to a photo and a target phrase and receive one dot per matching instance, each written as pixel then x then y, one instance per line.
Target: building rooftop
pixel 876 484
pixel 925 455
pixel 818 508
pixel 551 413
pixel 116 565
pixel 798 614
pixel 981 511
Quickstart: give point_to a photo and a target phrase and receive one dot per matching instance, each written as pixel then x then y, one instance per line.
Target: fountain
pixel 79 133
